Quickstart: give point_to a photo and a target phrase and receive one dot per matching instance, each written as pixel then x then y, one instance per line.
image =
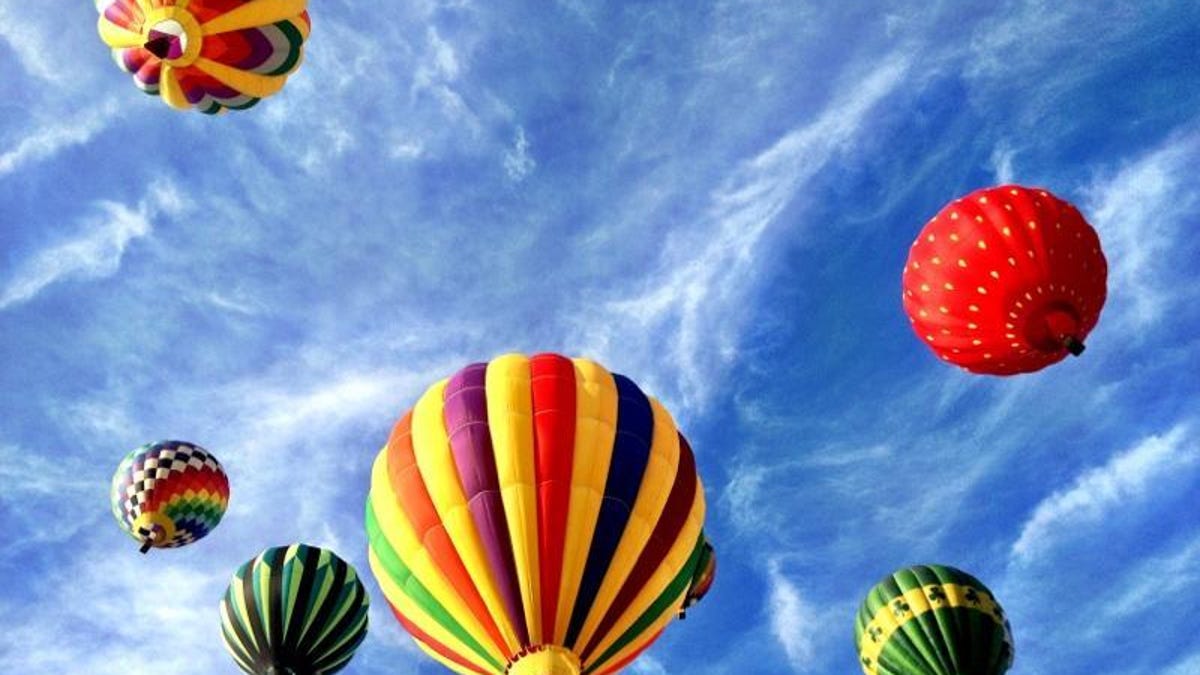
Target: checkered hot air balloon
pixel 535 516
pixel 1005 280
pixel 213 55
pixel 932 620
pixel 169 494
pixel 295 609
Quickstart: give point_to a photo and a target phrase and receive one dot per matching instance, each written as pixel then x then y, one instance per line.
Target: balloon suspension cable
pixel 1073 345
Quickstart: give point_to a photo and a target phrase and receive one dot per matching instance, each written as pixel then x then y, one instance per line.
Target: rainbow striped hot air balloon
pixel 169 494
pixel 535 516
pixel 932 620
pixel 211 54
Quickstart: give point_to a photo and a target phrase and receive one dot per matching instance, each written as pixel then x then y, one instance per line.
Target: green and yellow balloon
pixel 294 610
pixel 932 620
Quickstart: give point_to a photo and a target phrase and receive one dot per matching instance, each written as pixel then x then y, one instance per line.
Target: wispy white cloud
pixel 404 148
pixel 793 622
pixel 580 9
pixel 158 615
pixel 697 296
pixel 443 61
pixel 1174 574
pixel 1144 212
pixel 48 140
pixel 518 162
pixel 1017 40
pixel 233 303
pixel 332 77
pixel 1002 163
pixel 438 71
pixel 332 139
pixel 1186 665
pixel 96 251
pixel 28 34
pixel 743 495
pixel 42 472
pixel 1123 580
pixel 1126 478
pixel 648 665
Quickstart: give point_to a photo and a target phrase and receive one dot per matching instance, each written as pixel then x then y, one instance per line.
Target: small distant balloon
pixel 702 580
pixel 169 494
pixel 211 55
pixel 294 610
pixel 1005 280
pixel 932 620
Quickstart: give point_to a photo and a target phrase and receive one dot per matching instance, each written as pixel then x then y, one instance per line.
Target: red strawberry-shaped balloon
pixel 1005 280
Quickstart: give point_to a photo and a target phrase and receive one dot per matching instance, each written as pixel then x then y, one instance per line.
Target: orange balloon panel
pixel 1005 280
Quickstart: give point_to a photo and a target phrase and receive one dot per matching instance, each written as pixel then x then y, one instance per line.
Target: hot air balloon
pixel 535 516
pixel 932 620
pixel 213 55
pixel 702 579
pixel 294 609
pixel 1005 280
pixel 168 494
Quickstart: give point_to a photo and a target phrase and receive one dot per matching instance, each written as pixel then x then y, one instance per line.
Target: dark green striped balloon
pixel 296 609
pixel 932 620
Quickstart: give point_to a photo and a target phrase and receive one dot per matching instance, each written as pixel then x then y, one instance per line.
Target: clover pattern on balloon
pixel 972 596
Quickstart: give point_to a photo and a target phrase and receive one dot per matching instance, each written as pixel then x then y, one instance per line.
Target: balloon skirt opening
pixel 546 660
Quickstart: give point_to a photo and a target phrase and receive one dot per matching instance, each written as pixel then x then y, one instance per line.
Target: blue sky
pixel 715 199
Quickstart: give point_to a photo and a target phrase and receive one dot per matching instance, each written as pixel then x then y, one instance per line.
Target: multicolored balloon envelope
pixel 294 609
pixel 169 494
pixel 932 620
pixel 1005 280
pixel 535 516
pixel 213 55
